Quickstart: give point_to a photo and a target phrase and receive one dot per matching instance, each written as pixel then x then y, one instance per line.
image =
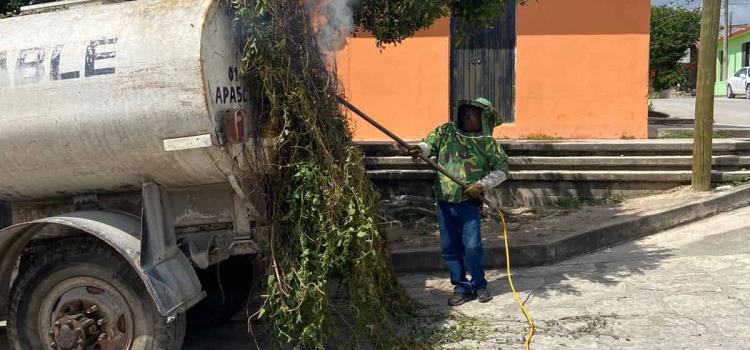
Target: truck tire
pixel 227 285
pixel 79 291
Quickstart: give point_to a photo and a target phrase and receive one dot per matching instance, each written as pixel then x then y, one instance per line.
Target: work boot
pixel 459 298
pixel 483 295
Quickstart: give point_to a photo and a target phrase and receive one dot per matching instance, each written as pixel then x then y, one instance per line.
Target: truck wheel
pixel 78 293
pixel 227 287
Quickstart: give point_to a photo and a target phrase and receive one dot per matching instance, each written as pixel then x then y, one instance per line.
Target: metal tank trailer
pixel 118 125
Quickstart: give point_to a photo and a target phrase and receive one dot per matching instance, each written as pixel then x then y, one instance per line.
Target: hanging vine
pixel 323 207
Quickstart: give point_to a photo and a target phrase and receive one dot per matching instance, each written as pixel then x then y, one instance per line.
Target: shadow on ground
pixel 557 284
pixel 3 339
pixel 230 336
pixel 549 281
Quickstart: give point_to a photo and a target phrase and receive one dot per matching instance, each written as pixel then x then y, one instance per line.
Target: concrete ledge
pixel 630 161
pixel 576 243
pixel 688 132
pixel 669 120
pixel 588 147
pixel 645 147
pixel 548 161
pixel 680 176
pixel 651 163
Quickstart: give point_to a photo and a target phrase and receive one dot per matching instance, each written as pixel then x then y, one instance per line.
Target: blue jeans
pixel 461 244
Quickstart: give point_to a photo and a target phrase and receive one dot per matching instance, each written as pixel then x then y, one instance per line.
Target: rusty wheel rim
pixel 86 313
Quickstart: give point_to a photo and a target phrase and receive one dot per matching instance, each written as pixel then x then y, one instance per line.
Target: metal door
pixel 483 65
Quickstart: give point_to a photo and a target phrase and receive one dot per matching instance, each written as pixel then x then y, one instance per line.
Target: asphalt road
pixel 731 112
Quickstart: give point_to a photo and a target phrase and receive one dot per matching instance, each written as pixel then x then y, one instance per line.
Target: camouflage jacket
pixel 471 157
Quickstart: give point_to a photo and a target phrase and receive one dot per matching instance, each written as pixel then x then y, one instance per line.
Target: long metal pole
pixel 727 33
pixel 400 141
pixel 704 101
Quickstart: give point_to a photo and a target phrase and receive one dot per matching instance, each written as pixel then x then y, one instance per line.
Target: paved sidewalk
pixel 685 288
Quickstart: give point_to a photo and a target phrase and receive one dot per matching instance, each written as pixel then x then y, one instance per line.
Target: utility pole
pixel 727 33
pixel 704 100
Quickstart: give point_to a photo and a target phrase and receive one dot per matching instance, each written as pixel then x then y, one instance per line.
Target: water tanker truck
pixel 121 126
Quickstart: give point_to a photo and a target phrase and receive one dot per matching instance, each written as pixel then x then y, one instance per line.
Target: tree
pixel 8 7
pixel 11 7
pixel 393 21
pixel 673 31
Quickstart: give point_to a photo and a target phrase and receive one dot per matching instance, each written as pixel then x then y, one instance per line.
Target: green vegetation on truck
pixel 325 224
pixel 323 208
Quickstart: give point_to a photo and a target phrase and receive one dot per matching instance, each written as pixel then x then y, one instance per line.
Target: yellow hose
pixel 440 169
pixel 512 287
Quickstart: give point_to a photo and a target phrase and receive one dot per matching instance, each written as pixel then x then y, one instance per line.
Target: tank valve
pixel 235 124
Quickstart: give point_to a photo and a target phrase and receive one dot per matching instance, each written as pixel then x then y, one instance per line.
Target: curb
pixel 619 231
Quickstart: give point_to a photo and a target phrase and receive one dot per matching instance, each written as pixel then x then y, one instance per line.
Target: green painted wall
pixel 735 61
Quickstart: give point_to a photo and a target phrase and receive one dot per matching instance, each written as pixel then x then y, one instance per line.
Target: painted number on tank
pixel 32 64
pixel 232 94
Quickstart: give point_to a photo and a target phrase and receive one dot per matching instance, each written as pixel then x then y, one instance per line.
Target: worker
pixel 467 149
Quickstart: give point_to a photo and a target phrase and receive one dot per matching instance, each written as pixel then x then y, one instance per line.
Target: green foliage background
pixel 673 31
pixel 11 7
pixel 393 21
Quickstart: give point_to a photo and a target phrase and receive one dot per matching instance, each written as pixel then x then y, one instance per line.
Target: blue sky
pixel 740 8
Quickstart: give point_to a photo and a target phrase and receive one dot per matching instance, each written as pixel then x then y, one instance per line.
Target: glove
pixel 474 191
pixel 414 152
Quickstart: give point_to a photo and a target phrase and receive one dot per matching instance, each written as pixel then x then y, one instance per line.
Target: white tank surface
pixel 98 98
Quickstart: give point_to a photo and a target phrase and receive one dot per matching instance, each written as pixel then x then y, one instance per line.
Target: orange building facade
pixel 581 71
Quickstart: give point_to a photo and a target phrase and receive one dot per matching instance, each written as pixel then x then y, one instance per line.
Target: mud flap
pixel 171 278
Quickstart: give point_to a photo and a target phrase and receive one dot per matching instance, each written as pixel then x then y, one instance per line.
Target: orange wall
pixel 581 72
pixel 405 87
pixel 582 69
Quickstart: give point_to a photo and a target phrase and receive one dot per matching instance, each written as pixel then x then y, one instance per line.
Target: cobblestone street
pixel 685 288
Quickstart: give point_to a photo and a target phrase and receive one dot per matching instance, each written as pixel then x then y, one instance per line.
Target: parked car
pixel 739 83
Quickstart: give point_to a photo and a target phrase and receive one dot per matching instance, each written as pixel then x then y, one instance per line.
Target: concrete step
pixel 543 171
pixel 624 162
pixel 683 132
pixel 723 163
pixel 574 176
pixel 671 121
pixel 651 147
pixel 542 187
